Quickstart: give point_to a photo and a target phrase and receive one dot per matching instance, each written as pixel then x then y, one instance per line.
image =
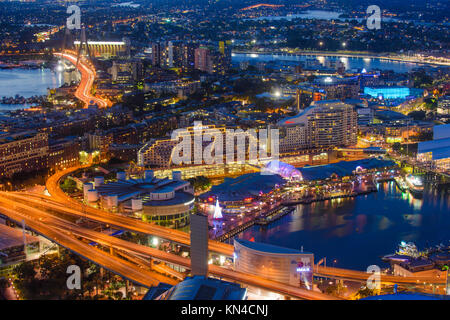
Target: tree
pixel 69 185
pixel 430 104
pixel 25 271
pixel 421 79
pixel 3 284
pixel 366 292
pixel 200 183
pixel 417 115
pixel 336 289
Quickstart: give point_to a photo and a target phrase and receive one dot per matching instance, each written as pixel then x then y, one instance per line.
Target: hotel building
pixel 160 152
pixel 324 124
pixel 23 152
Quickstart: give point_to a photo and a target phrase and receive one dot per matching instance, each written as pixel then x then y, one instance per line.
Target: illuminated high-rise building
pixel 327 123
pixel 199 245
pixel 22 152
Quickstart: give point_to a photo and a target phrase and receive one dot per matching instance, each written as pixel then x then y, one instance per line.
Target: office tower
pixel 199 245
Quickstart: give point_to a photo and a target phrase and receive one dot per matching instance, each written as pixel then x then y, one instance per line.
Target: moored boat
pixel 414 183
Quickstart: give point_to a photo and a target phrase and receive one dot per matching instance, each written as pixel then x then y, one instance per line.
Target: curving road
pixel 51 210
pixel 65 238
pixel 88 73
pixel 60 199
pixel 215 246
pixel 47 205
pixel 65 233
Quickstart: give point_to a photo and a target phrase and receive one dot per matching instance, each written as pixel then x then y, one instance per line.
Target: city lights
pixel 222 150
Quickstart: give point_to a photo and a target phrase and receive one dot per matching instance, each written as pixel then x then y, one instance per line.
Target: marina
pixel 344 229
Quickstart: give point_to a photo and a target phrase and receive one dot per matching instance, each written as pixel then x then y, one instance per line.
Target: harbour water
pixel 349 62
pixel 26 83
pixel 357 232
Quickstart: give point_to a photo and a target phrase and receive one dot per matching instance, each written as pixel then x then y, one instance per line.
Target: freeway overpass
pixel 214 246
pixel 119 266
pixel 59 198
pixel 65 233
pixel 338 273
pixel 58 203
pixel 81 211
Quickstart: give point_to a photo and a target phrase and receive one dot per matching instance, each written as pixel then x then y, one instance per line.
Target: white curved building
pixel 167 202
pixel 275 263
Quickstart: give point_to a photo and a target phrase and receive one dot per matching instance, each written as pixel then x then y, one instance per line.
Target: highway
pixel 50 214
pixel 355 275
pixel 65 233
pixel 62 200
pixel 64 238
pixel 119 221
pixel 215 246
pixel 88 73
pixel 59 223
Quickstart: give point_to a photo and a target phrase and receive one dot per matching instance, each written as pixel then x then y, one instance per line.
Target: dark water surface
pixel 358 231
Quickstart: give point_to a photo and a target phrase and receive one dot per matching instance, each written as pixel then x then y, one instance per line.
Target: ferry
pixel 414 183
pixel 401 183
pixel 406 251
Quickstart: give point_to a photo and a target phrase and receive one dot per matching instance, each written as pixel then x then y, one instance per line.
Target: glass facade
pixel 388 92
pixel 274 263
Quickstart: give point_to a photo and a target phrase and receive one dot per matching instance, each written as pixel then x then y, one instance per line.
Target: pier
pixel 324 198
pixel 262 219
pixel 267 219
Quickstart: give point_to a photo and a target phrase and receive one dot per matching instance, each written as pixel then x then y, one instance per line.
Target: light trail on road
pixel 63 232
pixel 88 74
pixel 53 209
pixel 64 238
pixel 346 274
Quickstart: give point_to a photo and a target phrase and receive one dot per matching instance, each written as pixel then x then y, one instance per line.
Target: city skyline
pixel 224 150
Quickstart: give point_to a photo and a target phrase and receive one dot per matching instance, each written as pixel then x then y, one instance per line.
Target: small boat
pixel 414 183
pixel 401 183
pixel 406 251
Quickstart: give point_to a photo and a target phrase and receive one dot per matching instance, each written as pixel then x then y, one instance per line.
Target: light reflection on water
pixel 350 63
pixel 27 83
pixel 358 231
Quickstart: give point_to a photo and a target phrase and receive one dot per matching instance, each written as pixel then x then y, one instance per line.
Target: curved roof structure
pixel 203 288
pixel 342 168
pixel 132 188
pixel 246 186
pixel 266 248
pixel 283 169
pixel 301 118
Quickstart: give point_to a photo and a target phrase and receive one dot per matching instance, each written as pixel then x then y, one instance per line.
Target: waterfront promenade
pixel 419 59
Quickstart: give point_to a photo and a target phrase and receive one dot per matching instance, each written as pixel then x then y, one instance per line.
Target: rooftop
pixel 441 131
pixel 11 237
pixel 130 188
pixel 439 148
pixel 268 248
pixel 203 288
pixel 342 168
pixel 406 296
pixel 246 186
